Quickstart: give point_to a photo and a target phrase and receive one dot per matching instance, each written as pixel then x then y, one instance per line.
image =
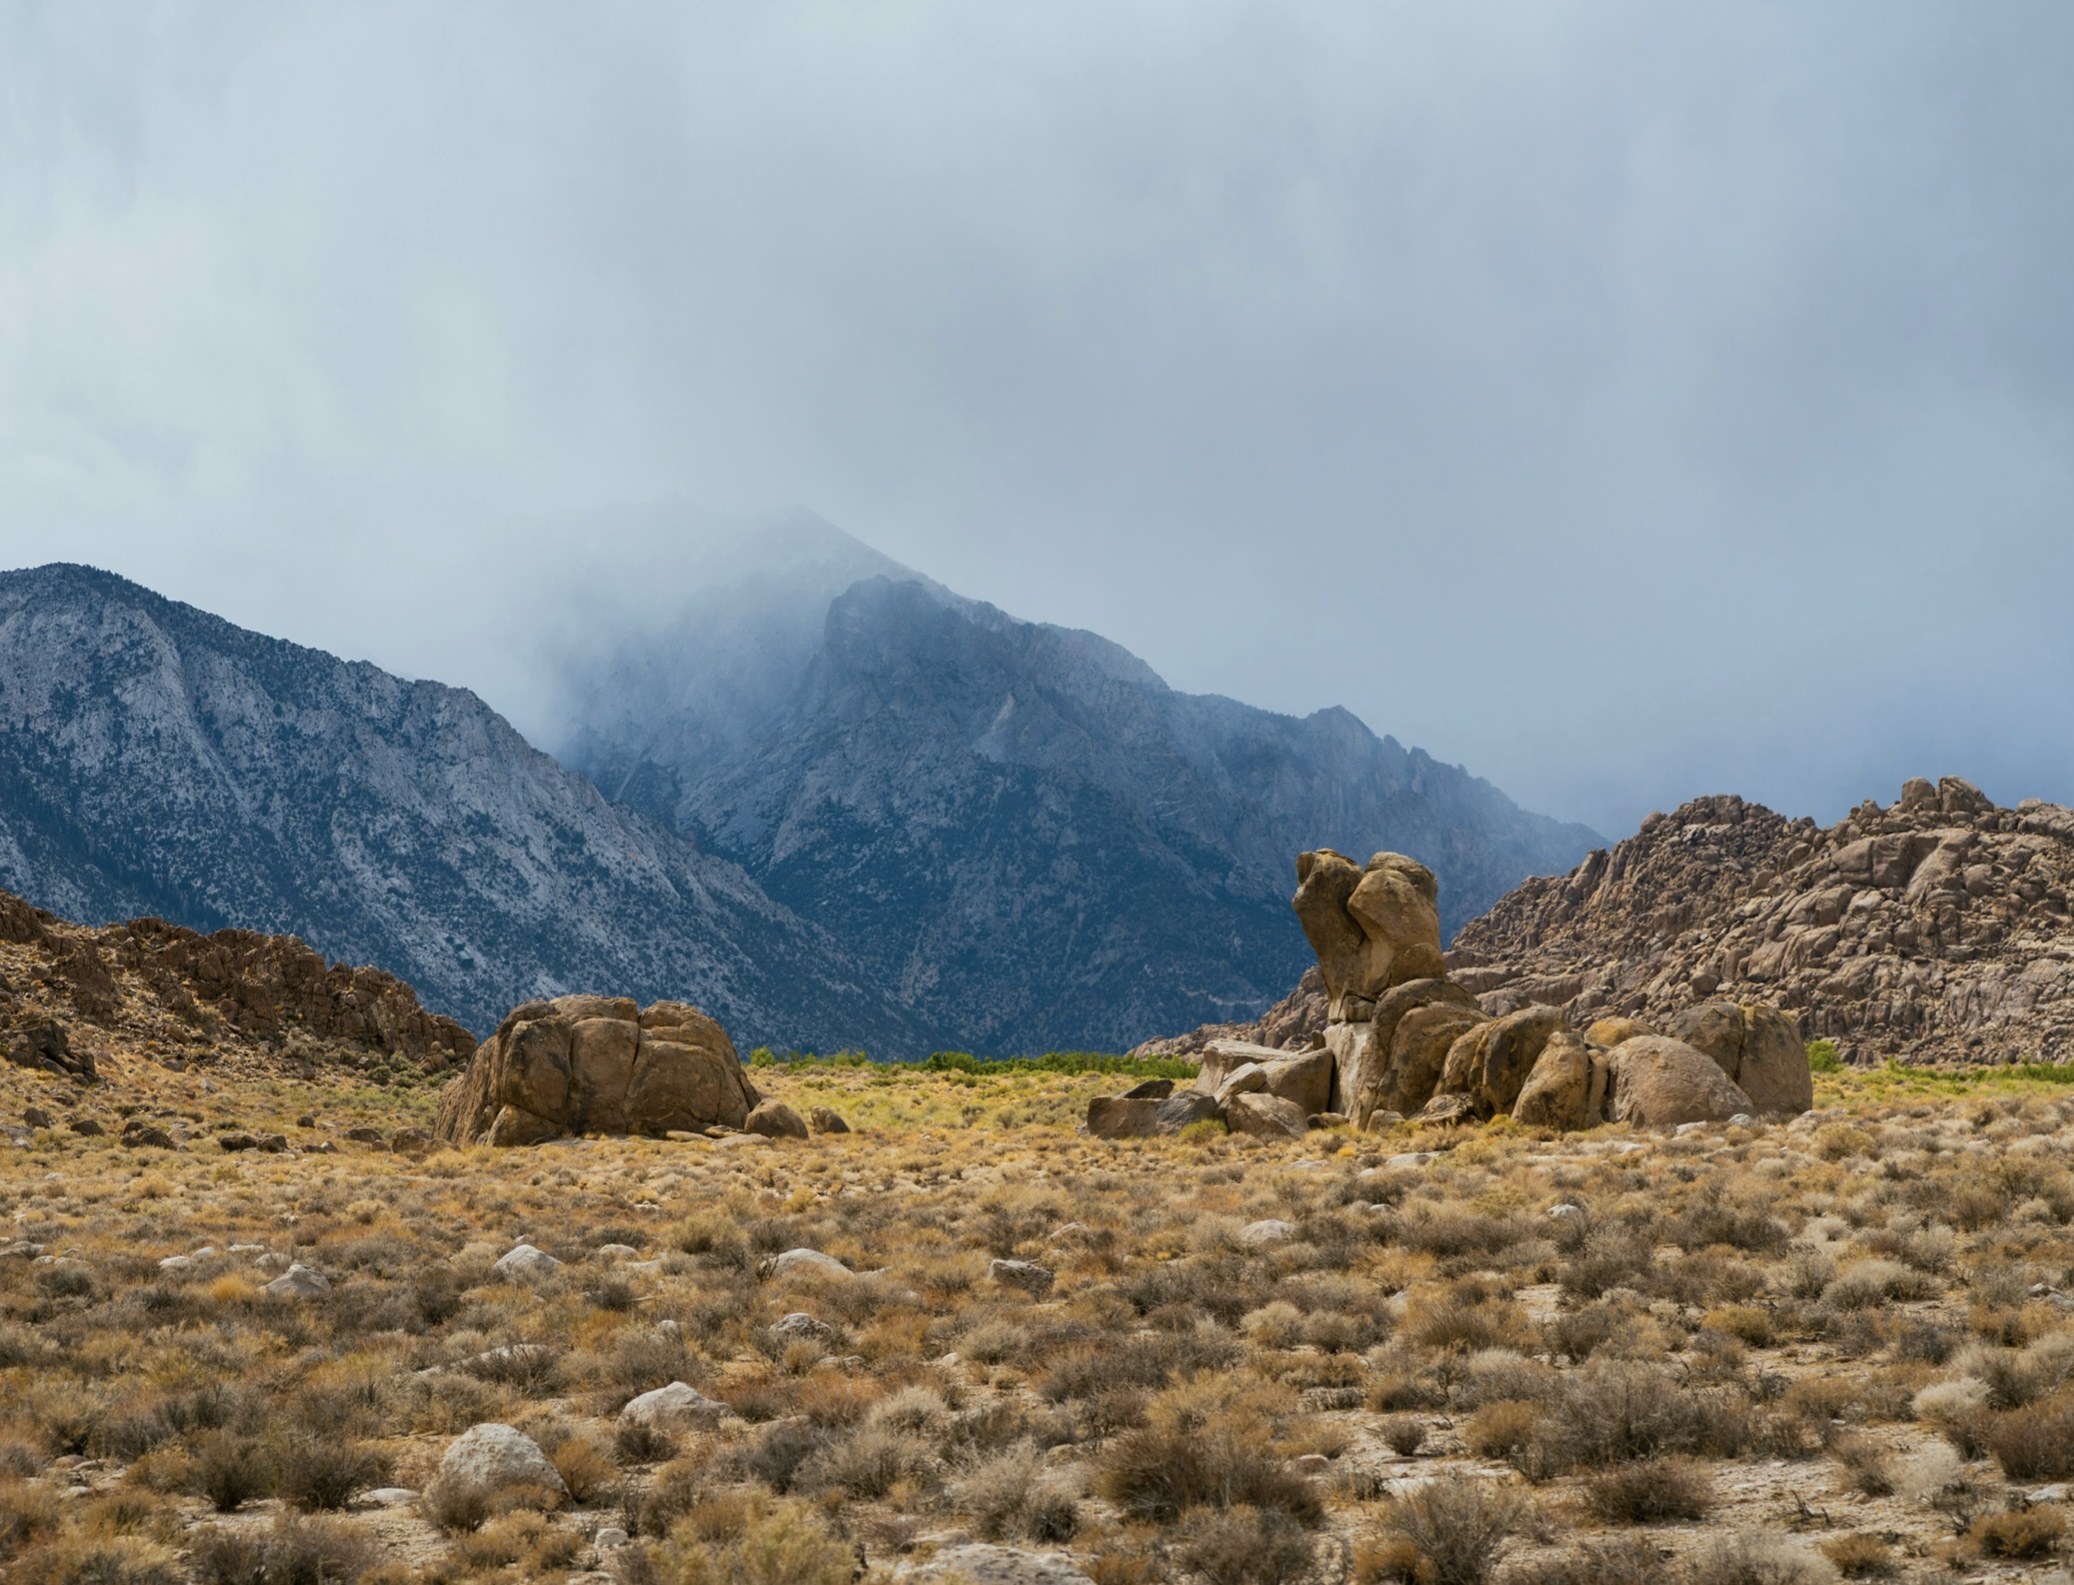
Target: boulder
pixel 1125 1117
pixel 1023 1274
pixel 1758 1047
pixel 775 1120
pixel 1118 1117
pixel 1658 1082
pixel 490 1459
pixel 827 1120
pixel 1247 1079
pixel 1305 1078
pixel 677 1407
pixel 1418 1053
pixel 1266 1117
pixel 1150 1090
pixel 1223 1058
pixel 1372 927
pixel 525 1263
pixel 1557 1093
pixel 1610 1032
pixel 597 1064
pixel 1177 1112
pixel 800 1327
pixel 1490 1061
pixel 298 1282
pixel 807 1263
pixel 1263 1234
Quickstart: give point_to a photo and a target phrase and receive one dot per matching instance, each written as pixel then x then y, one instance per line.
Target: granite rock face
pixel 597 1064
pixel 159 763
pixel 1935 929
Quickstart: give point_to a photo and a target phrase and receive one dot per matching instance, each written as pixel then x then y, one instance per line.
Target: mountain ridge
pixel 962 795
pixel 157 759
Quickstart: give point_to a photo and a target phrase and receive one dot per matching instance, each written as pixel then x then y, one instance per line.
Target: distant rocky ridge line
pixel 68 991
pixel 1934 930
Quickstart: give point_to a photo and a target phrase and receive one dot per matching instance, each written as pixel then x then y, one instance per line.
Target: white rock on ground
pixel 492 1458
pixel 808 1262
pixel 526 1261
pixel 1256 1235
pixel 299 1282
pixel 677 1407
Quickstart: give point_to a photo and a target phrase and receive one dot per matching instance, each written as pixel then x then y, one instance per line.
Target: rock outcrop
pixel 597 1064
pixel 1404 1038
pixel 1936 929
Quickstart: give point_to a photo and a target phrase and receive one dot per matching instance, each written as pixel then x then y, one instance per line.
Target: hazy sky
pixel 1627 400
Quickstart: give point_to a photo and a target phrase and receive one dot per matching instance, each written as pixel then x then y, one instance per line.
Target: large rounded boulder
pixel 1659 1083
pixel 1758 1047
pixel 596 1064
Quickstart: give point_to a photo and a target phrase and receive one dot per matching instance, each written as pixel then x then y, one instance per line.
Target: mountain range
pixel 829 800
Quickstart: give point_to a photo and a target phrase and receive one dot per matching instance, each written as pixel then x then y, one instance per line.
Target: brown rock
pixel 1223 1058
pixel 1372 1070
pixel 1306 1079
pixel 827 1120
pixel 1266 1117
pixel 1113 1117
pixel 1371 928
pixel 1185 1108
pixel 775 1120
pixel 1610 1032
pixel 596 1063
pixel 1557 1093
pixel 1419 1051
pixel 1150 1090
pixel 1659 1083
pixel 1758 1047
pixel 1510 1050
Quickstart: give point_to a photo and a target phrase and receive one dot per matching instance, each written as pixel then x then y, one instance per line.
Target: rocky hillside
pixel 1025 833
pixel 155 760
pixel 235 999
pixel 1933 930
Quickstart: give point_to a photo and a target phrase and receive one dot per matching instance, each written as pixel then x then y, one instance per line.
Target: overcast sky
pixel 1627 400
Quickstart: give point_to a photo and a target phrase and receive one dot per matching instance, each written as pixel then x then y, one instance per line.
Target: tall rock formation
pixel 1030 837
pixel 155 760
pixel 1936 929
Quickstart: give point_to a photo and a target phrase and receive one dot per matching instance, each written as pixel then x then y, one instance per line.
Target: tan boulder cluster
pixel 603 1065
pixel 1403 1039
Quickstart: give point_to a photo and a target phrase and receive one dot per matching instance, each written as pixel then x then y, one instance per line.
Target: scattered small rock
pixel 388 1497
pixel 1259 1235
pixel 86 1127
pixel 237 1141
pixel 35 1117
pixel 827 1120
pixel 363 1135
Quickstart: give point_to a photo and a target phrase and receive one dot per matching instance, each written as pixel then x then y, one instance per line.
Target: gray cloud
pixel 1630 401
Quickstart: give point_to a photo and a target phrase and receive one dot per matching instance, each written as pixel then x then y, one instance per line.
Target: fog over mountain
pixel 1024 831
pixel 1631 401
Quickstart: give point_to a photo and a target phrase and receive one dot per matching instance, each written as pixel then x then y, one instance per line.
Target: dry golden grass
pixel 1849 1331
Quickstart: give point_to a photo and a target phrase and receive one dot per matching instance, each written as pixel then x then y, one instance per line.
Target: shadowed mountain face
pixel 157 760
pixel 1030 837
